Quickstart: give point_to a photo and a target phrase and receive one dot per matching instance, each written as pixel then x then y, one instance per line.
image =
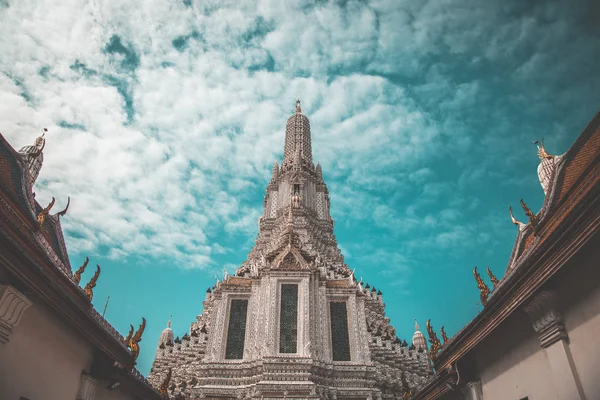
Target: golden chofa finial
pixel 88 289
pixel 484 290
pixel 444 336
pixel 77 275
pixel 433 339
pixel 136 339
pixel 542 153
pixel 533 220
pixel 298 109
pixel 164 386
pixel 492 277
pixel 44 213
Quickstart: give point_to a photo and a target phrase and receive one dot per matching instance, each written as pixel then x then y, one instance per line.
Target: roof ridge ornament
pixel 492 277
pixel 444 335
pixel 298 109
pixel 433 339
pixel 514 220
pixel 63 212
pixel 533 219
pixel 542 153
pixel 44 213
pixel 484 290
pixel 136 339
pixel 88 289
pixel 77 275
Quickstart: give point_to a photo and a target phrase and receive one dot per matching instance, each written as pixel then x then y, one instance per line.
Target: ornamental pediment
pixel 290 259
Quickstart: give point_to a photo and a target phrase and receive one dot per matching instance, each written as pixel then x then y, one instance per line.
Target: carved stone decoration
pixel 12 306
pixel 547 321
pixel 87 387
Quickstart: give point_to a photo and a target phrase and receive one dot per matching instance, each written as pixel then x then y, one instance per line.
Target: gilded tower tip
pixel 298 109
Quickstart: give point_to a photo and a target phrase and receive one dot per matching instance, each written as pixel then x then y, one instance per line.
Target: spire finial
pixel 416 325
pixel 298 109
pixel 40 142
pixel 170 318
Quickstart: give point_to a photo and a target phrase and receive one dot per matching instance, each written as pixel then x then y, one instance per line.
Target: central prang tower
pixel 293 322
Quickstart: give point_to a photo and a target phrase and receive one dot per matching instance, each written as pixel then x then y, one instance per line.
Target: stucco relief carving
pixel 547 321
pixel 12 306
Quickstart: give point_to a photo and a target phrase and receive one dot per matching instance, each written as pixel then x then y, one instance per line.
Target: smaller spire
pixel 169 323
pixel 416 325
pixel 275 172
pixel 319 172
pixel 298 109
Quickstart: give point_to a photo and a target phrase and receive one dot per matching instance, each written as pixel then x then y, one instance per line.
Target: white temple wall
pixel 512 364
pixel 579 297
pixel 43 359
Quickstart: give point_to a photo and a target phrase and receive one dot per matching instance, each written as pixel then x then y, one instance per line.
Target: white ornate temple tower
pixel 293 322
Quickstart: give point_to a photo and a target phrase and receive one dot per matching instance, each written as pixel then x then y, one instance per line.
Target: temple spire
pixel 297 136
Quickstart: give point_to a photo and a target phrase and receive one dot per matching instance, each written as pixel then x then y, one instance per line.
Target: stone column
pixel 548 324
pixel 12 306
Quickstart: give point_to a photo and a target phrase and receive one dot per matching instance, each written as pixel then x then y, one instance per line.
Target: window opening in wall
pixel 340 342
pixel 296 189
pixel 236 331
pixel 288 319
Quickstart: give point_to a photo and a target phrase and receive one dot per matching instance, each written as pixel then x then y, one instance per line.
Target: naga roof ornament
pixel 136 339
pixel 533 219
pixel 444 336
pixel 92 284
pixel 492 277
pixel 63 212
pixel 484 290
pixel 433 339
pixel 77 274
pixel 44 213
pixel 514 220
pixel 129 335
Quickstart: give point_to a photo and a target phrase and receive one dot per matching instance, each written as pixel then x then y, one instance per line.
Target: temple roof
pixel 567 219
pixel 16 183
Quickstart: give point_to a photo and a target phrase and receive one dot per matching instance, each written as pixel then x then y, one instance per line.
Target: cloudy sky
pixel 165 117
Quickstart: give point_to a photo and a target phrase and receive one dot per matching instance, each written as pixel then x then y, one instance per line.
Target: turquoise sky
pixel 165 118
